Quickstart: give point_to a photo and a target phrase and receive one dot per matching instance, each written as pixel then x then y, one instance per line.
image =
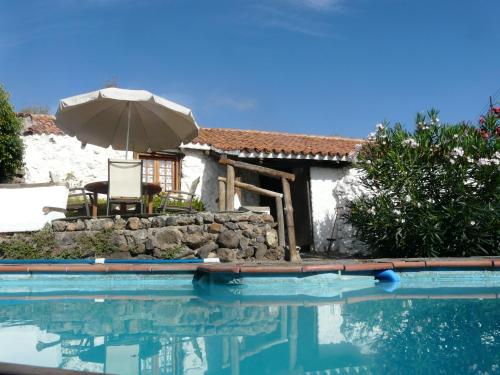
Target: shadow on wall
pixel 323 230
pixel 343 243
pixel 210 186
pixel 346 244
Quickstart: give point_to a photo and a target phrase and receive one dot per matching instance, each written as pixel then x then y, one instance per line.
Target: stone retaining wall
pixel 228 236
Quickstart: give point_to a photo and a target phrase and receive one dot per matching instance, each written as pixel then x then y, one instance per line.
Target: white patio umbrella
pixel 126 120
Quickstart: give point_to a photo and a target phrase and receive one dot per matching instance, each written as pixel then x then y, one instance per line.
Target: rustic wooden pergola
pixel 227 186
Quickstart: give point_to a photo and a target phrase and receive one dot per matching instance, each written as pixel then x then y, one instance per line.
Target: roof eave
pixel 246 154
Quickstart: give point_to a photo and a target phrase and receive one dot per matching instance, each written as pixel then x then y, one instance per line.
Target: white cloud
pixel 321 5
pixel 288 20
pixel 309 17
pixel 182 98
pixel 237 104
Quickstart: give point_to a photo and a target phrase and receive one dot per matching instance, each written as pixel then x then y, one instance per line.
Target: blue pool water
pixel 446 323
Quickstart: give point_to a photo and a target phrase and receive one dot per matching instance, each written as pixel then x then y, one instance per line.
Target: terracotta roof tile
pixel 264 141
pixel 232 139
pixel 39 124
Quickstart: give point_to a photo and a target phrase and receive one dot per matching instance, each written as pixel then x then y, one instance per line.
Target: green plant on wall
pixel 43 245
pixel 95 245
pixel 197 204
pixel 38 245
pixel 11 145
pixel 432 192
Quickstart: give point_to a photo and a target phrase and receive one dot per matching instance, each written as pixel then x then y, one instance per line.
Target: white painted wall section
pixel 330 321
pixel 323 204
pixel 197 164
pixel 62 156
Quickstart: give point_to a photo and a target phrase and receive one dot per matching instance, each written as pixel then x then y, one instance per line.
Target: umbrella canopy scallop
pixel 126 120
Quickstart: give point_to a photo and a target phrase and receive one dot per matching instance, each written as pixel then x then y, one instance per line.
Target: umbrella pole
pixel 128 131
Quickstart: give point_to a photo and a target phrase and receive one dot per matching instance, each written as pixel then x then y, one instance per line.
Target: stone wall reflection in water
pixel 371 332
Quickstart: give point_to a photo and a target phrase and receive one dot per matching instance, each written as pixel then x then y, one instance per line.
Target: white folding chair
pixel 124 183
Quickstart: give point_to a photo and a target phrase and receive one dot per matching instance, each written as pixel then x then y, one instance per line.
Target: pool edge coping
pixel 342 265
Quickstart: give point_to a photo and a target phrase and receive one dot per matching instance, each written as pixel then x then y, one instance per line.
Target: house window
pixel 161 169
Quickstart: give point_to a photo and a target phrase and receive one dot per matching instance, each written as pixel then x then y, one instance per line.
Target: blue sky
pixel 305 66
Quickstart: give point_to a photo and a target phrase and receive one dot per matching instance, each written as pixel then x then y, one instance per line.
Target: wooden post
pixel 95 204
pixel 222 196
pixel 235 356
pixel 293 338
pixel 284 322
pixel 281 221
pixel 293 255
pixel 155 364
pixel 230 188
pixel 225 351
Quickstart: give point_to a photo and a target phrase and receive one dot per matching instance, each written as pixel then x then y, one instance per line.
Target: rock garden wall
pixel 228 236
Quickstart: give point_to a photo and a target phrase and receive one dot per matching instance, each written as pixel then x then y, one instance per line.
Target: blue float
pixel 388 275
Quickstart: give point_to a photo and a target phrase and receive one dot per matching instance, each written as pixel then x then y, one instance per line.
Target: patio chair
pixel 125 184
pixel 84 202
pixel 179 201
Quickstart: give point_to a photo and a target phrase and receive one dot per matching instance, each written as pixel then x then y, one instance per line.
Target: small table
pixel 101 187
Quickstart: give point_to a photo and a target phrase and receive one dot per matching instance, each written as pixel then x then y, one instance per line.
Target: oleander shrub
pixel 432 192
pixel 11 145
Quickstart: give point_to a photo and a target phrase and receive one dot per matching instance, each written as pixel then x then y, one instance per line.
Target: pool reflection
pixel 374 332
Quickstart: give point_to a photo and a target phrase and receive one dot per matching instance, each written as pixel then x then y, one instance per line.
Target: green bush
pixel 11 145
pixel 95 245
pixel 431 192
pixel 197 203
pixel 43 245
pixel 38 245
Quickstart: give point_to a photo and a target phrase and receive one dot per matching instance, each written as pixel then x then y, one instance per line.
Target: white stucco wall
pixel 197 163
pixel 347 189
pixel 331 190
pixel 61 155
pixel 330 320
pixel 323 204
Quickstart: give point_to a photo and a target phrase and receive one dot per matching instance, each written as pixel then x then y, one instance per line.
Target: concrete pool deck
pixel 303 267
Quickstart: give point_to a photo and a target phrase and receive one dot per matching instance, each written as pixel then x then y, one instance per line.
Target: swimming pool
pixel 430 322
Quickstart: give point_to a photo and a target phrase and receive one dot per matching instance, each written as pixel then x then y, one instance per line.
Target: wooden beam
pixel 253 188
pixel 222 195
pixel 281 221
pixel 230 188
pixel 290 226
pixel 257 169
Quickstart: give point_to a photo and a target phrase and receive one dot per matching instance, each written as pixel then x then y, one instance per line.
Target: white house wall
pixel 323 204
pixel 62 156
pixel 196 163
pixel 331 191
